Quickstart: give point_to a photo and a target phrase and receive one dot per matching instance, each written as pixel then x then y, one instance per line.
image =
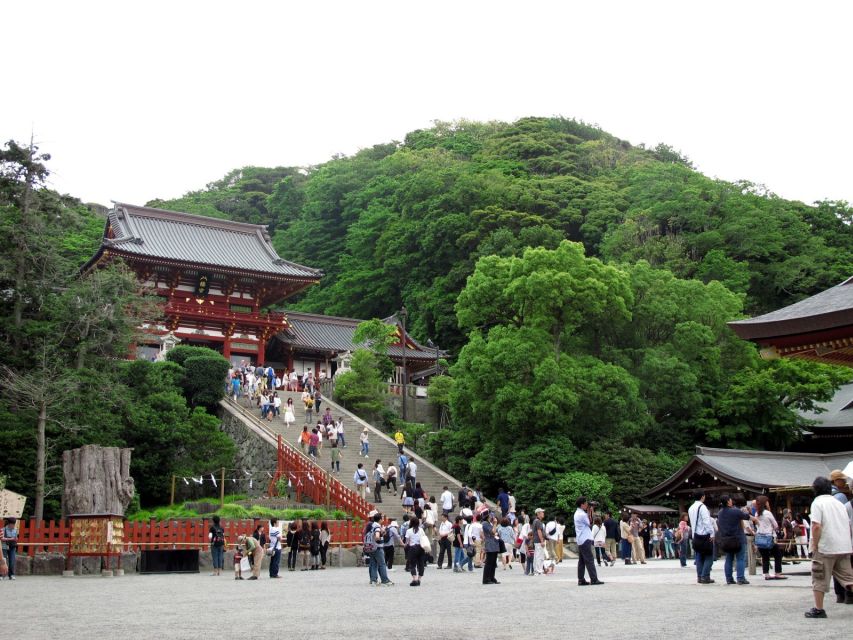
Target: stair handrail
pixel 421 460
pixel 276 438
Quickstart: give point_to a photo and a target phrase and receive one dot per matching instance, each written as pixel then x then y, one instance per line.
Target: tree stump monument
pixel 97 480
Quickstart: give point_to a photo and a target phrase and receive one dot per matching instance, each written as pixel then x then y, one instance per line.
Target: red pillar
pixel 262 348
pixel 226 348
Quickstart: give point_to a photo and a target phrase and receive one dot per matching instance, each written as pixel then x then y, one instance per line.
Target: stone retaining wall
pixel 252 452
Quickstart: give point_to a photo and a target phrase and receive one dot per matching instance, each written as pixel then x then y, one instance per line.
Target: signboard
pixel 11 504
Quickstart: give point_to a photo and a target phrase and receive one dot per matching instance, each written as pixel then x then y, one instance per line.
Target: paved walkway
pixel 659 600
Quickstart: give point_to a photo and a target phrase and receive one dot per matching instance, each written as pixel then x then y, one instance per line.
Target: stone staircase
pixel 382 447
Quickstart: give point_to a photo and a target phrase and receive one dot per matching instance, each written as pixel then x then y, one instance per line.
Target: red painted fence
pixel 311 481
pixel 53 536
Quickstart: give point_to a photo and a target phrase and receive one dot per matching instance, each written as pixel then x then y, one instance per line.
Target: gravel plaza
pixel 660 599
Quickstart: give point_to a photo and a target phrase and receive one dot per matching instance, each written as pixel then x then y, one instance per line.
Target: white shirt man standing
pixel 831 546
pixel 446 499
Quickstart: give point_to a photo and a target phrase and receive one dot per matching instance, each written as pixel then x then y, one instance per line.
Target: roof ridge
pixel 191 218
pixel 757 453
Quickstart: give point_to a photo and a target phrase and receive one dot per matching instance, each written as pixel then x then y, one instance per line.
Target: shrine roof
pixel 189 238
pixel 755 470
pixel 837 412
pixel 331 333
pixel 826 310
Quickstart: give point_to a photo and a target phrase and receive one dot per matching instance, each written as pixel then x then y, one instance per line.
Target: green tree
pixel 361 389
pixel 594 486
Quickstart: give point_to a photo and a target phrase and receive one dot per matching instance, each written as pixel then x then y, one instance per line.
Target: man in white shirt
pixel 446 499
pixel 445 530
pixel 703 537
pixel 831 546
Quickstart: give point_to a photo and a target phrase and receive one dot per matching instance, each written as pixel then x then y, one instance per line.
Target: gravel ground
pixel 659 599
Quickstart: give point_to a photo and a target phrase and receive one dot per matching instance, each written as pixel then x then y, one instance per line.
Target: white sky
pixel 142 100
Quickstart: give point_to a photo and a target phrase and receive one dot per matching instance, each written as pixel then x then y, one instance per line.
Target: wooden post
pixel 172 497
pixel 328 489
pixel 222 488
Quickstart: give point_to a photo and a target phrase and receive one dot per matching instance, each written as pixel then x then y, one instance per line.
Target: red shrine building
pixel 218 281
pixel 818 328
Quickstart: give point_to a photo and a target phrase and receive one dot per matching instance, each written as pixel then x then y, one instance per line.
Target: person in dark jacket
pixel 732 539
pixel 492 546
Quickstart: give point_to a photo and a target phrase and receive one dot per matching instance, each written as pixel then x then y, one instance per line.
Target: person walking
pixel 703 537
pixel 681 538
pixel 459 555
pixel 765 539
pixel 400 439
pixel 360 478
pixel 335 455
pixel 508 535
pixel 415 554
pixel 289 416
pixel 365 443
pixel 378 481
pixel 275 546
pixel 391 541
pixel 583 534
pixel 9 535
pixel 830 546
pixel 391 478
pixel 599 543
pixel 339 427
pixel 732 539
pixel 539 540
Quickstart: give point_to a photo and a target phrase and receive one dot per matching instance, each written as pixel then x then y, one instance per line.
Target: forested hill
pixel 406 222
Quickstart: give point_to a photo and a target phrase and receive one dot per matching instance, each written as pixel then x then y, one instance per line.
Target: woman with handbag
pixel 599 536
pixel 765 541
pixel 732 539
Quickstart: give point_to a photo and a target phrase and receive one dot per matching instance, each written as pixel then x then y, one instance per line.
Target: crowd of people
pixel 305 541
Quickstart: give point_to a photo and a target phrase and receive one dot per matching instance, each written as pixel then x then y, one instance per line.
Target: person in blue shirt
pixel 583 533
pixel 503 501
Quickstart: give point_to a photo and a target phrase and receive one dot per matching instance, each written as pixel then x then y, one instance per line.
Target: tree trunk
pixel 97 480
pixel 40 460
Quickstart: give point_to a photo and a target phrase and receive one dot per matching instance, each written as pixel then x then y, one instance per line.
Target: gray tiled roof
pixel 757 469
pixel 185 237
pixel 330 333
pixel 839 410
pixel 824 310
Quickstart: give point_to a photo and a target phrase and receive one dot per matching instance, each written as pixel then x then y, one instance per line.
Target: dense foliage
pixel 608 354
pixel 63 337
pixel 583 284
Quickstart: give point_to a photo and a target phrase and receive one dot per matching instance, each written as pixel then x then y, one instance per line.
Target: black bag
pixel 702 544
pixel 502 546
pixel 730 544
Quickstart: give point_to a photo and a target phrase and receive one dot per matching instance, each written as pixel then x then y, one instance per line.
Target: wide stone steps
pixel 382 448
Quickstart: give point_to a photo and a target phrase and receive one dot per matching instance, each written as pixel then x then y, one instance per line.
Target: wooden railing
pixel 51 536
pixel 307 479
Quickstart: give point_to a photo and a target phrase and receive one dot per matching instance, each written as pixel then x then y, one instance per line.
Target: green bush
pixel 233 512
pixel 183 352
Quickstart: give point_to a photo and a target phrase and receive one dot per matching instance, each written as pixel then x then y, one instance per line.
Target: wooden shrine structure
pixel 219 282
pixel 818 328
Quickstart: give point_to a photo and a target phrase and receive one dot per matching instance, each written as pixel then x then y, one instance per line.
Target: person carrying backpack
pixel 374 535
pixel 216 535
